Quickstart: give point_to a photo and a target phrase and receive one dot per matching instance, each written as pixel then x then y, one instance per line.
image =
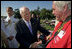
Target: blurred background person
pixel 4 35
pixel 38 18
pixel 10 25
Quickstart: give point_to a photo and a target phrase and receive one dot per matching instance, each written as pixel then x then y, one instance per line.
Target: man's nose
pixel 27 15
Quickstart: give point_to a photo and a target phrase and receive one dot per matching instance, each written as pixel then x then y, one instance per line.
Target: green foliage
pixel 46 14
pixel 36 11
pixel 17 13
pixel 43 13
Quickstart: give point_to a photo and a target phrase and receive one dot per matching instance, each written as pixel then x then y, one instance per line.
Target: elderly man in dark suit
pixel 27 29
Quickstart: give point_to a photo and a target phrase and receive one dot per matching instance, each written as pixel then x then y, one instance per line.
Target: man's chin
pixel 27 20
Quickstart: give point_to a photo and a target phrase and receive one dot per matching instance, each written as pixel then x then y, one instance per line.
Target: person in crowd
pixel 38 18
pixel 4 36
pixel 61 37
pixel 10 25
pixel 27 29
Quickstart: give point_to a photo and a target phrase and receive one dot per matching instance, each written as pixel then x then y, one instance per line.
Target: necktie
pixel 30 28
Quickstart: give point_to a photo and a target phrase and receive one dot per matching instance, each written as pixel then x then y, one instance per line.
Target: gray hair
pixel 61 4
pixel 22 9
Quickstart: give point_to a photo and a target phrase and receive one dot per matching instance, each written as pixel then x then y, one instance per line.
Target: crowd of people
pixel 22 33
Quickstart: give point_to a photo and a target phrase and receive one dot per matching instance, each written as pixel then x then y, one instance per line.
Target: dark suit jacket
pixel 24 36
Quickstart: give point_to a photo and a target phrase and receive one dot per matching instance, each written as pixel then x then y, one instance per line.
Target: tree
pixel 51 15
pixel 36 11
pixel 17 14
pixel 43 13
pixel 46 14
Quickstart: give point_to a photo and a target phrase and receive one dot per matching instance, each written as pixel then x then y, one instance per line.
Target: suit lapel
pixel 25 26
pixel 32 24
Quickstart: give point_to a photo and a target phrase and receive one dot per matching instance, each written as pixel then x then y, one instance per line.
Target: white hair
pixel 61 4
pixel 21 9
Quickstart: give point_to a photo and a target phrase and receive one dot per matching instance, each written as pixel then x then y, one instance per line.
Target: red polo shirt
pixel 63 38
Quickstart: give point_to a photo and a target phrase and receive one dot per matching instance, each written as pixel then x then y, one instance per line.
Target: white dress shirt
pixel 4 29
pixel 11 26
pixel 27 22
pixel 12 32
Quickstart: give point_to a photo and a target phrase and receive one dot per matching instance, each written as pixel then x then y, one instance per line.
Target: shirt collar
pixel 9 18
pixel 25 20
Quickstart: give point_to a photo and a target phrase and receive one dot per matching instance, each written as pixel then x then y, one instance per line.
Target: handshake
pixel 35 44
pixel 39 43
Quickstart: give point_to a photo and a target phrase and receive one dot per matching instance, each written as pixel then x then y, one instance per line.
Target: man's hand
pixel 11 37
pixel 6 43
pixel 35 44
pixel 50 31
pixel 47 37
pixel 39 42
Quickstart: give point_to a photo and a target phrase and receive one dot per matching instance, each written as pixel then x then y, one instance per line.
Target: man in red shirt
pixel 62 39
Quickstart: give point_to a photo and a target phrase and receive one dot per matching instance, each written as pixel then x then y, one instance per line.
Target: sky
pixel 30 4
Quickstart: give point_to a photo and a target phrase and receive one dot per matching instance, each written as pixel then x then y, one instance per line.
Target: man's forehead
pixel 8 9
pixel 25 9
pixel 53 6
